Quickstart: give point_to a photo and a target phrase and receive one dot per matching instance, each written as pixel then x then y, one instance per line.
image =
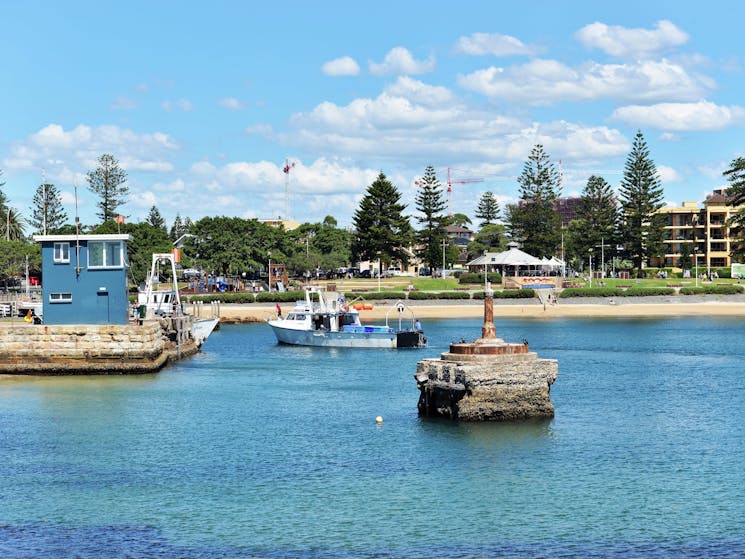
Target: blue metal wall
pixel 98 296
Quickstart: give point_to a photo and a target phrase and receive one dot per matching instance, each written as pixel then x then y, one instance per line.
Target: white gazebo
pixel 515 263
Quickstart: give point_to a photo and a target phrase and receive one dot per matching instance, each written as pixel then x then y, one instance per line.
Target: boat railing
pixel 400 307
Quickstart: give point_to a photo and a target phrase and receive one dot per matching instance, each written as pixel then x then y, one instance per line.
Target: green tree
pixel 381 229
pixel 155 219
pixel 176 228
pixel 488 209
pixel 490 238
pixel 108 182
pixel 47 215
pixel 735 175
pixel 12 224
pixel 232 245
pixel 461 220
pixel 685 262
pixel 641 196
pixel 597 220
pixel 431 203
pixel 535 222
pixel 13 258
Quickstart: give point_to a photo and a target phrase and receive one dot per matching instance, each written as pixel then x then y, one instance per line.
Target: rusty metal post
pixel 488 330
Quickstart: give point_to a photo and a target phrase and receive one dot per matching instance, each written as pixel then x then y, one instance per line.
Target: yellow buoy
pixel 379 419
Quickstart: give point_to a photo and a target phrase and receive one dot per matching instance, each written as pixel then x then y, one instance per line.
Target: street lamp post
pixel 695 258
pixel 269 254
pixel 443 255
pixel 590 251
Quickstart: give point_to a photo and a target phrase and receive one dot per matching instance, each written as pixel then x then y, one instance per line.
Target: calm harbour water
pixel 251 449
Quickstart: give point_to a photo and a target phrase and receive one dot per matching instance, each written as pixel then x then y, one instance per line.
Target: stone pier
pixel 487 379
pixel 30 349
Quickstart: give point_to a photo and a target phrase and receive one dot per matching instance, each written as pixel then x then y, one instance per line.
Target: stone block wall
pixel 487 390
pixel 71 349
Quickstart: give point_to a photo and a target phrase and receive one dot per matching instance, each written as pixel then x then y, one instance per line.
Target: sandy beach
pixel 571 308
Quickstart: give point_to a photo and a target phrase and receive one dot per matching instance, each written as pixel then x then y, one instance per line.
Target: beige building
pixel 703 229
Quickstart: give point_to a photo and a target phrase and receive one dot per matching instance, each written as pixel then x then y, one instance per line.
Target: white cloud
pixel 631 43
pixel 183 105
pixel 418 92
pixel 399 61
pixel 231 103
pixel 545 81
pixel 344 66
pixel 257 189
pixel 494 44
pixel 123 103
pixel 60 151
pixel 396 128
pixel 668 174
pixel 703 115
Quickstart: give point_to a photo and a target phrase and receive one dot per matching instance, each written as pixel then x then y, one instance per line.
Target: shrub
pixel 379 296
pixel 428 295
pixel 730 289
pixel 472 277
pixel 592 292
pixel 508 294
pixel 279 296
pixel 648 291
pixel 222 297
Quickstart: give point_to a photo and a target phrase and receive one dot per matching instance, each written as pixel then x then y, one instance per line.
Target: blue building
pixel 84 278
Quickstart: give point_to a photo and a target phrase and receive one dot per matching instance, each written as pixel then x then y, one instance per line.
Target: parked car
pixel 392 272
pixel 365 274
pixel 424 271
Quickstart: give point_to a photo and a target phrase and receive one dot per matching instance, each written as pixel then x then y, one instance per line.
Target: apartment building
pixel 703 229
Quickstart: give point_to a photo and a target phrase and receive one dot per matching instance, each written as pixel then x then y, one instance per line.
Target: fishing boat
pixel 164 299
pixel 325 319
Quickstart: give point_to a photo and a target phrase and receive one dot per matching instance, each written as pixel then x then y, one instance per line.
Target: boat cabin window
pixel 347 319
pixel 298 317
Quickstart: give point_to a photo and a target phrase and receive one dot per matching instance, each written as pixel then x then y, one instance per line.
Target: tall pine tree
pixel 381 229
pixel 488 209
pixel 156 220
pixel 535 222
pixel 596 226
pixel 47 214
pixel 107 181
pixel 431 203
pixel 736 197
pixel 641 196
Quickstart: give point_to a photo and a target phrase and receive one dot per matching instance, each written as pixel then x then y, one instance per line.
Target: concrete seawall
pixel 28 349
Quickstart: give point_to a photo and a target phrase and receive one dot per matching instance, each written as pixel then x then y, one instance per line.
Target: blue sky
pixel 202 103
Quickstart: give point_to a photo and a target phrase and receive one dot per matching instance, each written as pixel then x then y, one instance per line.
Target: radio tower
pixel 286 171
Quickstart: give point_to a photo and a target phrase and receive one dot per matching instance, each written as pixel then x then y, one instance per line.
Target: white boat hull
pixel 201 328
pixel 323 338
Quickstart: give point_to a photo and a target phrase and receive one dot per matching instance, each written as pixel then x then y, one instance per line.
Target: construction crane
pixel 286 170
pixel 452 180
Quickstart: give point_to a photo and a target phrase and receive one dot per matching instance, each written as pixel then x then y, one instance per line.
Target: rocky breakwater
pixel 487 379
pixel 89 349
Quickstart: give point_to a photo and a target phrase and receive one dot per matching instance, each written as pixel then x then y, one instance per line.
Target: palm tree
pixel 12 224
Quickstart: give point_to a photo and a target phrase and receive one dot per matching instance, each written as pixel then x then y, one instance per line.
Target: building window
pixel 104 254
pixel 60 297
pixel 61 253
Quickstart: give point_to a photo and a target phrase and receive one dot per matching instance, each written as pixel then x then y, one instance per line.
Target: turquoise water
pixel 250 449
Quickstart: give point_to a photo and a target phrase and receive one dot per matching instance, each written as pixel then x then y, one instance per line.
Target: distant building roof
pixel 73 237
pixel 457 229
pixel 289 224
